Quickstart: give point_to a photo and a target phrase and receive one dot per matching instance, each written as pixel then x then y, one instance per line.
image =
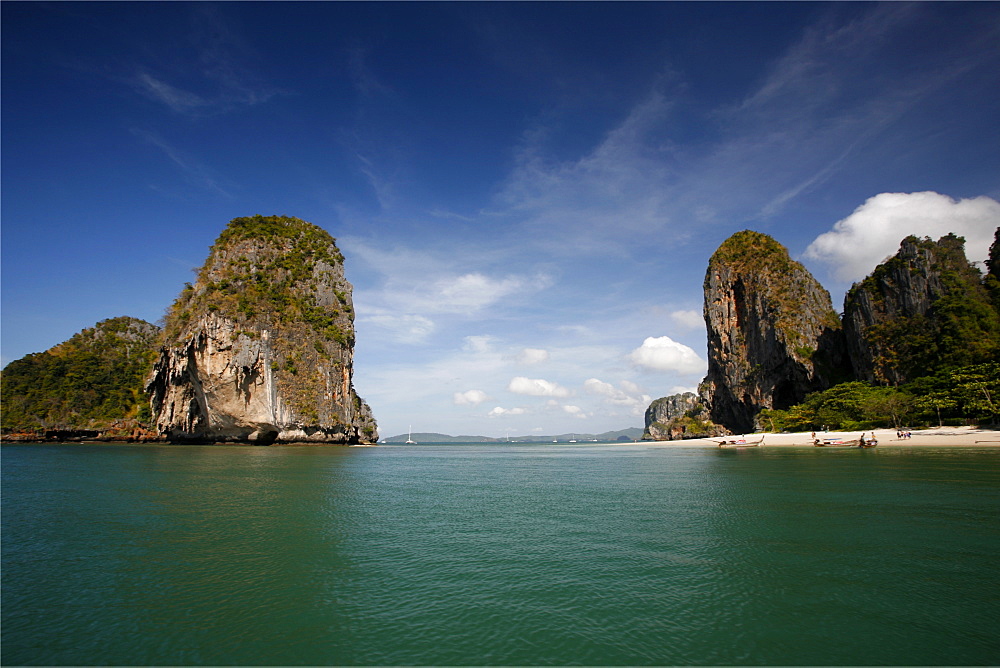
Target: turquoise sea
pixel 499 554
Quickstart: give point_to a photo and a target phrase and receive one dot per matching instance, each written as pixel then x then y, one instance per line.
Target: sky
pixel 526 194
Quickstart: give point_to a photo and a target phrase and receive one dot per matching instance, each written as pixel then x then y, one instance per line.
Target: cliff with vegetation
pixel 90 385
pixel 260 348
pixel 773 336
pixel 680 416
pixel 920 342
pixel 923 310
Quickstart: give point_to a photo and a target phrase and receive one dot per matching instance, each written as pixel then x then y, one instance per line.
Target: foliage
pixel 792 292
pixel 264 270
pixel 89 381
pixel 961 327
pixel 992 280
pixel 960 395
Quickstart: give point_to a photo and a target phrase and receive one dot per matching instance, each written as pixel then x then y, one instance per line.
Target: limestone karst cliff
pixel 773 335
pixel 260 348
pixel 923 309
pixel 679 416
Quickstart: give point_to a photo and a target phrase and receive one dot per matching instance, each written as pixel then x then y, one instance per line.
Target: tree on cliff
pixel 924 310
pixel 87 382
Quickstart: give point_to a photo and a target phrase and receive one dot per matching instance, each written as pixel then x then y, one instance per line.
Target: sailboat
pixel 409 437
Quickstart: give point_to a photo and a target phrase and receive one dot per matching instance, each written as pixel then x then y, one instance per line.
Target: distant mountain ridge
pixel 629 434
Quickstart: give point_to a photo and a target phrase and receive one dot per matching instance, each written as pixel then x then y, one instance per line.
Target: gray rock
pixel 773 335
pixel 260 348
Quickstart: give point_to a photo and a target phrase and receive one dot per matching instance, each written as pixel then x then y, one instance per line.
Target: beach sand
pixel 936 437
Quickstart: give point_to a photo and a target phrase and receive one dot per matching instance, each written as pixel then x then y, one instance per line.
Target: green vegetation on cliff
pixel 87 382
pixel 750 253
pixel 960 327
pixel 948 354
pixel 280 278
pixel 262 270
pixel 954 397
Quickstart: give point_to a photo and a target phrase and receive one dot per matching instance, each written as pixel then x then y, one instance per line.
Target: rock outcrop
pixel 260 348
pixel 679 416
pixel 773 335
pixel 924 308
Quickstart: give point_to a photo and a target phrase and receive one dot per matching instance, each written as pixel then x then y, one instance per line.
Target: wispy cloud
pixel 221 75
pixel 181 101
pixel 193 170
pixel 822 104
pixel 362 76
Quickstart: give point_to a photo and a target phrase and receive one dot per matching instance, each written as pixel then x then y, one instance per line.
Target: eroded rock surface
pixel 924 308
pixel 773 335
pixel 679 416
pixel 260 348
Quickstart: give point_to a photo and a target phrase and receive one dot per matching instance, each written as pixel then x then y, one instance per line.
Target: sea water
pixel 499 554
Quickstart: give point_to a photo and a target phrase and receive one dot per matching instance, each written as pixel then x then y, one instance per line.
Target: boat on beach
pixel 741 443
pixel 859 442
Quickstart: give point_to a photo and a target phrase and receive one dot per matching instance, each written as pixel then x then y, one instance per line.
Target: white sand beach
pixel 936 437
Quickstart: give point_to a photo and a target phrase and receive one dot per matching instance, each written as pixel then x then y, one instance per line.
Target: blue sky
pixel 527 194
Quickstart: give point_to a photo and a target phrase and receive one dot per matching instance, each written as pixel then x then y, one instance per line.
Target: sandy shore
pixel 937 437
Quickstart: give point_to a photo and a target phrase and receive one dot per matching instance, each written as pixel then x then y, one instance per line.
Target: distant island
pixel 619 436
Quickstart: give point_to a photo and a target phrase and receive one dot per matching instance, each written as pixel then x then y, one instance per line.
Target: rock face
pixel 773 335
pixel 679 416
pixel 260 348
pixel 924 308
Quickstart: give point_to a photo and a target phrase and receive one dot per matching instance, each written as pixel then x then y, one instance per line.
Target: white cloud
pixel 873 231
pixel 629 396
pixel 529 356
pixel 501 412
pixel 482 343
pixel 536 387
pixel 616 186
pixel 470 292
pixel 470 398
pixel 575 411
pixel 630 387
pixel 688 320
pixel 404 328
pixel 179 100
pixel 664 354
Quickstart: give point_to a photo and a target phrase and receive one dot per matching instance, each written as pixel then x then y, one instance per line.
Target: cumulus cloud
pixel 532 356
pixel 664 354
pixel 575 411
pixel 536 387
pixel 873 231
pixel 470 398
pixel 501 412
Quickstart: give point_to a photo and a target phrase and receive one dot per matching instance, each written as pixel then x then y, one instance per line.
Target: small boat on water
pixel 741 443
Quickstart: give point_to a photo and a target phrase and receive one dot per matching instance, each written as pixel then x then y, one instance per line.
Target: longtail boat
pixel 741 443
